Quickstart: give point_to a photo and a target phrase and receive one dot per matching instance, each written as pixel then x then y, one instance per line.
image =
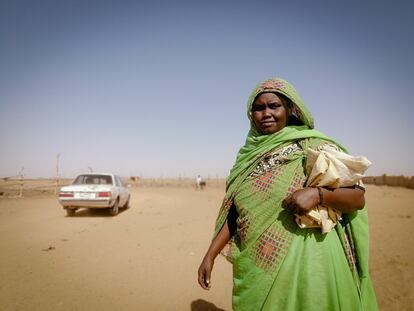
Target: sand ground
pixel 146 258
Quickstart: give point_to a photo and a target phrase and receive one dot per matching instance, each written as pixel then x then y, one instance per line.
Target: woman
pixel 276 264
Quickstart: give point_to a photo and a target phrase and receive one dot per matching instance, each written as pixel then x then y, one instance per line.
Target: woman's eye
pixel 263 107
pixel 258 108
pixel 274 106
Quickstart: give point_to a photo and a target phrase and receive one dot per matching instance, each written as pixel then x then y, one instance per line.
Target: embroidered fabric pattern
pixel 297 182
pixel 271 248
pixel 262 185
pixel 350 253
pixel 263 182
pixel 275 158
pixel 225 207
pixel 243 227
pixel 326 146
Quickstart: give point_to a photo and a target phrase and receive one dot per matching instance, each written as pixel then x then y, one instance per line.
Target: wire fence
pixel 17 186
pixel 174 182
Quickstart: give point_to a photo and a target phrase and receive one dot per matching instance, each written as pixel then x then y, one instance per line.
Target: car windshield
pixel 93 180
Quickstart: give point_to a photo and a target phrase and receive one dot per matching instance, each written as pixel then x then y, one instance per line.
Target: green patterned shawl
pixel 257 145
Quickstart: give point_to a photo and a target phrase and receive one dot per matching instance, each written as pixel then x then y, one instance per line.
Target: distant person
pixel 278 265
pixel 200 183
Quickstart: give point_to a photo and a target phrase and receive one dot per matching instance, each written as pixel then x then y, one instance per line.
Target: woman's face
pixel 270 113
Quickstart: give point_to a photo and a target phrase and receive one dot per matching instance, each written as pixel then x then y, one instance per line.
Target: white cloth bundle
pixel 333 169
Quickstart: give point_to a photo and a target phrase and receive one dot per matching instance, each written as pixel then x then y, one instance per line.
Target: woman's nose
pixel 267 111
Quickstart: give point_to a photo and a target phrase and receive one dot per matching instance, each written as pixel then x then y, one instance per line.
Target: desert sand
pixel 146 258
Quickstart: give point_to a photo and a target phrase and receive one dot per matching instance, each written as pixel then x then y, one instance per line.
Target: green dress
pixel 276 264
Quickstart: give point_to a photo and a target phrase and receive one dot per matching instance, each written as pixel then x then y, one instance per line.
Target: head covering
pixel 257 144
pixel 280 86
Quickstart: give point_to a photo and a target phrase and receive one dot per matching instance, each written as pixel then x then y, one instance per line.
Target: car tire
pixel 126 205
pixel 115 208
pixel 70 212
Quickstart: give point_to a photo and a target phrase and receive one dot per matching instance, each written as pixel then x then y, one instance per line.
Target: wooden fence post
pixel 21 177
pixel 57 172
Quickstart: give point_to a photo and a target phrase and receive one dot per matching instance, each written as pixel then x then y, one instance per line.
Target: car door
pixel 123 191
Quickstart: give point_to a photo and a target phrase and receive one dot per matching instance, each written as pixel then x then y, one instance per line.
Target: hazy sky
pixel 159 88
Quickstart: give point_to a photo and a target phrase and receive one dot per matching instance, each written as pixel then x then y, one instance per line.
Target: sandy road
pixel 144 259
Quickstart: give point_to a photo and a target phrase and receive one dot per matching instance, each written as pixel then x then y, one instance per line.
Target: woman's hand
pixel 346 200
pixel 302 201
pixel 206 266
pixel 204 272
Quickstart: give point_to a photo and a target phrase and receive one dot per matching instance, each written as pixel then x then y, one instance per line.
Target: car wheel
pixel 115 208
pixel 126 205
pixel 70 212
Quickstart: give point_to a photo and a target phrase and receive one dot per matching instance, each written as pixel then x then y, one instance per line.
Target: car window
pixel 119 182
pixel 93 179
pixel 106 180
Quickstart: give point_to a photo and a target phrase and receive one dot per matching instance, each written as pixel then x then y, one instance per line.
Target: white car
pixel 94 190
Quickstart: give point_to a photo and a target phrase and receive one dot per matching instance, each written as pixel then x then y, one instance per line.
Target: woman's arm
pixel 346 200
pixel 206 266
